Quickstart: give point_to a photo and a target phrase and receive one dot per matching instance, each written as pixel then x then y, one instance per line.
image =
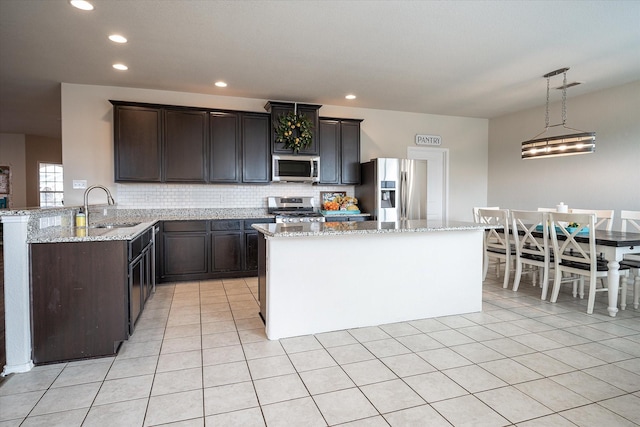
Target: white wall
pixel 606 179
pixel 13 154
pixel 87 139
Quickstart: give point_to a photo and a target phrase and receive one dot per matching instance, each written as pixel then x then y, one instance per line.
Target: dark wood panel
pixel 350 152
pixel 309 110
pixel 262 276
pixel 226 251
pixel 3 349
pixel 226 224
pixel 224 147
pixel 194 225
pixel 184 253
pixel 137 143
pixel 79 299
pixel 251 251
pixel 256 148
pixel 185 146
pixel 329 151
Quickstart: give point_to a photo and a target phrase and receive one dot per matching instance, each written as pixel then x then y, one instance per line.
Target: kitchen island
pixel 316 277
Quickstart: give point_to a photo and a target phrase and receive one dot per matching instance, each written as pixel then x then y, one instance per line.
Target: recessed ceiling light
pixel 120 67
pixel 350 96
pixel 221 84
pixel 81 4
pixel 117 38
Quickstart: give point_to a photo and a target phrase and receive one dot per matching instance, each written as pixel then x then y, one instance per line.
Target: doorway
pixel 437 179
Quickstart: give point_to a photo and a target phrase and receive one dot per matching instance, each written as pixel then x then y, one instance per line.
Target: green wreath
pixel 294 131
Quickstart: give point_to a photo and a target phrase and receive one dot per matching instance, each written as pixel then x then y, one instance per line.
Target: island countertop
pixel 364 227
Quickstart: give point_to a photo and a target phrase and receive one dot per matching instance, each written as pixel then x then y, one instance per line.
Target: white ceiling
pixel 461 58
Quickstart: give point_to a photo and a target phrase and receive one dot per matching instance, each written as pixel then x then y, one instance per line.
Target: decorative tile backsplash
pixel 166 196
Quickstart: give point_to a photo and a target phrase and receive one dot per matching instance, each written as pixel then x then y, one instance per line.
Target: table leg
pixel 613 278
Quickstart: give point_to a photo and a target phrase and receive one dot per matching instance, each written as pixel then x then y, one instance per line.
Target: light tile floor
pixel 200 356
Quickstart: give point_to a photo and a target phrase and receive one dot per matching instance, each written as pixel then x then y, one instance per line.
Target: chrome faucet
pixel 110 200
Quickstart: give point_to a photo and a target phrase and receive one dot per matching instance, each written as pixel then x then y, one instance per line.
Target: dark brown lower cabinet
pixel 79 299
pixel 198 250
pixel 185 249
pixel 226 250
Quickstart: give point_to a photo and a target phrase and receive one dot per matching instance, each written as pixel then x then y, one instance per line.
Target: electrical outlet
pixel 79 184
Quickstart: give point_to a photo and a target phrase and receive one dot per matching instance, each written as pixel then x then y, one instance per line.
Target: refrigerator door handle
pixel 403 195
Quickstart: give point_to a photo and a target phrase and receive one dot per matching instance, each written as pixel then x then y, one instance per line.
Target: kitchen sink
pixel 119 225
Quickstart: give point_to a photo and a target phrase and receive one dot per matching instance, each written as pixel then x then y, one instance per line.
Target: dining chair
pixel 631 223
pixel 476 209
pixel 531 251
pixel 604 217
pixel 571 257
pixel 476 219
pixel 497 242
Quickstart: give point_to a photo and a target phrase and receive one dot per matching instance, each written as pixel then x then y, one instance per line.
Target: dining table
pixel 613 245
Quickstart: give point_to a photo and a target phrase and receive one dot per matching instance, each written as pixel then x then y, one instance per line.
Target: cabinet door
pixel 256 153
pixel 136 289
pixel 226 251
pixel 329 151
pixel 224 145
pixel 251 237
pixel 350 152
pixel 185 146
pixel 137 143
pixel 251 251
pixel 311 111
pixel 184 253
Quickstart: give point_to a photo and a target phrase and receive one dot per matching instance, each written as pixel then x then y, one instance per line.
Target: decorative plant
pixel 294 131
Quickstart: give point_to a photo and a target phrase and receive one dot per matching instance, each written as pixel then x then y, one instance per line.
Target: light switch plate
pixel 79 184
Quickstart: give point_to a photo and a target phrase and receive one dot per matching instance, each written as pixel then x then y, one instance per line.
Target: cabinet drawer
pixel 170 226
pixel 139 243
pixel 224 225
pixel 248 222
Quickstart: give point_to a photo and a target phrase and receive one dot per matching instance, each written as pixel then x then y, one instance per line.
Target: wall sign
pixel 428 140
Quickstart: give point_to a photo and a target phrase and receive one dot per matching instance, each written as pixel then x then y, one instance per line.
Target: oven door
pixel 296 168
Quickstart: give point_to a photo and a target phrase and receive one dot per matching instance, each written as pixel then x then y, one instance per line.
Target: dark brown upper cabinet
pixel 225 147
pixel 276 109
pixel 166 143
pixel 185 146
pixel 339 144
pixel 256 148
pixel 329 151
pixel 137 143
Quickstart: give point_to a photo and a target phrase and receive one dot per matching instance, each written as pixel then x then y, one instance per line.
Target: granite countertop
pixel 142 218
pixel 364 227
pixel 89 234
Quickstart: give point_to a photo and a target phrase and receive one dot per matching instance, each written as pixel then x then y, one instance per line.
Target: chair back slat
pixel 569 250
pixel 604 217
pixel 523 224
pixel 497 239
pixel 476 209
pixel 630 221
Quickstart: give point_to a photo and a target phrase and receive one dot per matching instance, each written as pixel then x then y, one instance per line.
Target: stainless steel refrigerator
pixel 393 189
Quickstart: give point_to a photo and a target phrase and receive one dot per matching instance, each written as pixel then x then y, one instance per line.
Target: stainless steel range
pixel 293 209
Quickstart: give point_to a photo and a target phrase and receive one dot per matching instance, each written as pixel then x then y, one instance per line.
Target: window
pixel 51 185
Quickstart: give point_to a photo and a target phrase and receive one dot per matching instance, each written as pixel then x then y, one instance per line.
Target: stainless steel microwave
pixel 295 168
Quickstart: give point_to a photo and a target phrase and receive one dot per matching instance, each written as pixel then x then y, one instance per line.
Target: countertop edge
pixel 360 228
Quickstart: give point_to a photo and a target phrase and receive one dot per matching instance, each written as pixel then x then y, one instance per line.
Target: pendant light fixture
pixel 540 146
